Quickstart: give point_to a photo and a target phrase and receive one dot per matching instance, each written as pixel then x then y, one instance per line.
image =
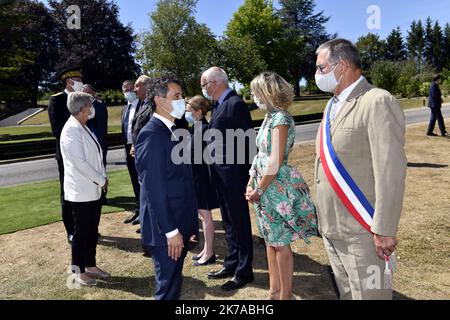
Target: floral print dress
pixel 286 211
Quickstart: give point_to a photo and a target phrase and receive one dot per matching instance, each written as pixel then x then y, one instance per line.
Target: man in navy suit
pixel 99 124
pixel 230 179
pixel 435 104
pixel 168 212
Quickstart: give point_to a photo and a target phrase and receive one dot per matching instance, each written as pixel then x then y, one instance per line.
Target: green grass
pixel 32 133
pixel 32 205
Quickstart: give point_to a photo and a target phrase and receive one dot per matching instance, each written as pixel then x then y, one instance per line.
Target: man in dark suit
pixel 168 212
pixel 230 179
pixel 58 114
pixel 128 115
pixel 435 104
pixel 99 124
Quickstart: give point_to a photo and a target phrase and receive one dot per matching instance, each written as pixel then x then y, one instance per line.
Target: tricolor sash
pixel 340 180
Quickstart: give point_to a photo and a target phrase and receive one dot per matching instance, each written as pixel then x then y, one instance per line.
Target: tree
pixel 13 57
pixel 438 54
pixel 428 41
pixel 416 42
pixel 240 58
pixel 395 48
pixel 446 47
pixel 177 45
pixel 385 74
pixel 304 31
pixel 256 20
pixel 104 47
pixel 39 38
pixel 371 49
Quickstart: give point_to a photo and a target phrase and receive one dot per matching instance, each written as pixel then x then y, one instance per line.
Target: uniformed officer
pixel 58 114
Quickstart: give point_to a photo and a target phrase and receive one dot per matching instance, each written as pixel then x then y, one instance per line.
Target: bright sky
pixel 348 17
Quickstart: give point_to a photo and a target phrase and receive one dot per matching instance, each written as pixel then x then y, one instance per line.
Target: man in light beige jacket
pixel 368 136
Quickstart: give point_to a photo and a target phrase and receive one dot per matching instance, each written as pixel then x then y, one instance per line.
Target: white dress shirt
pixel 344 95
pixel 132 111
pixel 169 124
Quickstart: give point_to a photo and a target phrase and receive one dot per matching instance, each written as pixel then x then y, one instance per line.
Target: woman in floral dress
pixel 284 209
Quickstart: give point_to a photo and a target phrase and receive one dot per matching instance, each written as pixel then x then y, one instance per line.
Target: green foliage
pixel 395 48
pixel 177 44
pixel 384 74
pixel 371 49
pixel 416 42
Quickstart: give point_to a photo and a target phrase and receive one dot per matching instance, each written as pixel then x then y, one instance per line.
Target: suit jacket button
pixel 317 181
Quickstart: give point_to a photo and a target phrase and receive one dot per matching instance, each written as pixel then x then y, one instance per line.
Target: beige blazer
pixel 368 136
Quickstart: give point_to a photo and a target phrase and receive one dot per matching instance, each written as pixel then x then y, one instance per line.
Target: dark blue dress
pixel 206 194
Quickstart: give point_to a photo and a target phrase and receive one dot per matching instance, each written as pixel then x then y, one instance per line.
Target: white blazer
pixel 84 173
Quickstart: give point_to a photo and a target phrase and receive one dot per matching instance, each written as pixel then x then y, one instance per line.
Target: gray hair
pixel 341 49
pixel 216 74
pixel 78 100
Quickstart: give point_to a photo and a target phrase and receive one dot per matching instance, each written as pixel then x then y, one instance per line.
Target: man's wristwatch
pixel 259 191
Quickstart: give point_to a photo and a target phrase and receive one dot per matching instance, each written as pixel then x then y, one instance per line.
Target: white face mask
pixel 206 95
pixel 77 86
pixel 259 104
pixel 91 113
pixel 130 96
pixel 179 108
pixel 327 82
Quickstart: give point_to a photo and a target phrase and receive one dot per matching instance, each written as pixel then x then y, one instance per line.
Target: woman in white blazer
pixel 84 179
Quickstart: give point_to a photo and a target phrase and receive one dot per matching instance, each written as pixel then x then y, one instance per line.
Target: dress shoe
pixel 136 222
pixel 221 274
pixel 98 275
pixel 90 283
pixel 196 258
pixel 209 261
pixel 445 134
pixel 138 231
pixel 235 284
pixel 432 134
pixel 130 219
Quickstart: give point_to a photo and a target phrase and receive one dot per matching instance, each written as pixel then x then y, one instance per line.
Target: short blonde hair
pixel 272 90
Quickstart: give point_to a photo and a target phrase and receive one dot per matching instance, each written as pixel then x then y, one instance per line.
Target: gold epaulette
pixel 58 94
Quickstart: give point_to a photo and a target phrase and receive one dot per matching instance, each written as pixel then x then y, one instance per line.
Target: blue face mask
pixel 189 118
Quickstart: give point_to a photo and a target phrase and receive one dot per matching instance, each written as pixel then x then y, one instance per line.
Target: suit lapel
pixel 350 103
pixel 218 110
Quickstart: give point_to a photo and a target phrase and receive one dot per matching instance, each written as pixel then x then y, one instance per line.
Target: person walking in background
pixel 435 104
pixel 84 179
pixel 168 213
pixel 230 178
pixel 360 173
pixel 58 114
pixel 128 114
pixel 197 108
pixel 284 209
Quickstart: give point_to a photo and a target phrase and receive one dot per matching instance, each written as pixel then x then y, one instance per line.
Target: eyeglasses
pixel 321 67
pixel 205 84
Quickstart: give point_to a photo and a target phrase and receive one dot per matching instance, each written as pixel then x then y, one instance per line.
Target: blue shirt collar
pixel 224 95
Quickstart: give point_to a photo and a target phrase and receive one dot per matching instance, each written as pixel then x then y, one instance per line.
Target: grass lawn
pixel 34 262
pixel 16 213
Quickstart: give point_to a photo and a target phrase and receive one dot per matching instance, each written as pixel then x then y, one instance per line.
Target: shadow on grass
pixel 125 203
pixel 427 165
pixel 124 244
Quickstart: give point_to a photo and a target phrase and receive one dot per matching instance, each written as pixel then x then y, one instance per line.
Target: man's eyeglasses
pixel 205 84
pixel 321 67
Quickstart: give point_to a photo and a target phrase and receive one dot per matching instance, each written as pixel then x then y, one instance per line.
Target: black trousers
pixel 66 208
pixel 238 231
pixel 131 164
pixel 86 216
pixel 436 114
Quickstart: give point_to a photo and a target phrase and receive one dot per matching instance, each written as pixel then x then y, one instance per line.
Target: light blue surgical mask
pixel 130 96
pixel 189 118
pixel 179 108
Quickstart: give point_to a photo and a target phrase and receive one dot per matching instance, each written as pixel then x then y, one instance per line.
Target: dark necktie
pixel 214 107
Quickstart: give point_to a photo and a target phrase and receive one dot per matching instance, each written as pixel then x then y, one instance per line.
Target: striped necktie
pixel 334 102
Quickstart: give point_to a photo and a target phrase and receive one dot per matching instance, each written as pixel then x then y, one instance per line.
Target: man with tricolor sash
pixel 360 174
